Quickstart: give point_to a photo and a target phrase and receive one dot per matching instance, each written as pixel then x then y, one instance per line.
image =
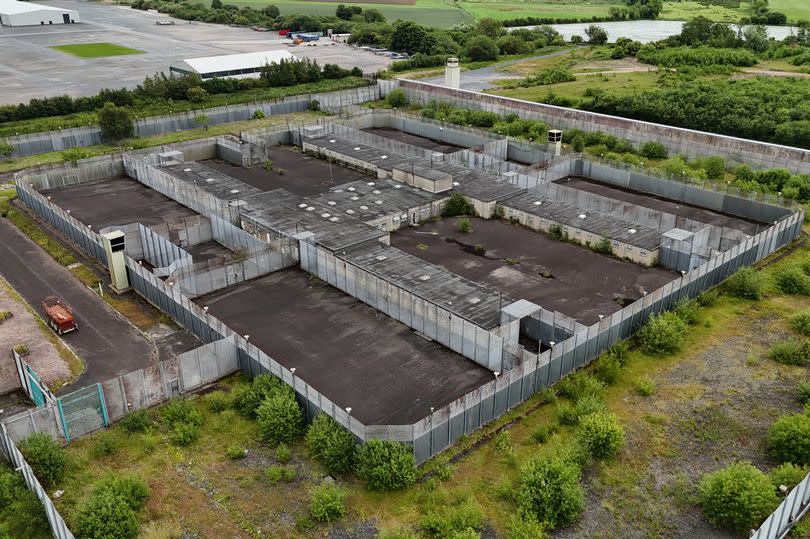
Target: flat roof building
pixel 230 66
pixel 14 13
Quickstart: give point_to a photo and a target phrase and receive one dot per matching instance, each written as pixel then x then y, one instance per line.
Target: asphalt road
pixel 106 341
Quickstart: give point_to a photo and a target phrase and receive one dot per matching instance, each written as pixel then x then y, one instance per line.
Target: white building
pixel 234 66
pixel 14 13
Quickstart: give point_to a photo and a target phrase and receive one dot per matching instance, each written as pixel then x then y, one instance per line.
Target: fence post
pixel 103 405
pixel 62 418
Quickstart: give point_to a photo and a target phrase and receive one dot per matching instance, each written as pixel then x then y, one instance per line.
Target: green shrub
pixel 542 433
pixel 283 454
pixel 104 444
pixel 235 452
pixel 137 421
pixel 457 205
pixel 788 475
pixel 747 283
pixel 503 445
pixel 385 465
pixel 600 434
pixel 708 298
pixel 579 384
pixel 181 411
pixel 106 517
pixel 447 521
pixel 184 434
pixel 792 280
pixel 464 225
pixel 738 496
pixel 568 414
pixel 555 232
pixel 688 311
pixel 46 458
pixel 550 491
pixel 248 397
pixel 789 439
pixel 327 503
pixel 662 335
pixel 331 444
pixel 800 323
pixel 396 98
pixel 654 150
pixel 217 401
pixel 603 246
pixel 399 533
pixel 279 418
pixel 790 352
pixel 525 528
pixel 258 114
pixel 275 474
pixel 607 368
pixel 20 509
pixel 129 488
pixel 645 386
pixel 804 392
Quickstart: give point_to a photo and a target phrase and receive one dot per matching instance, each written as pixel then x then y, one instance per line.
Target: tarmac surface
pixel 348 351
pixel 695 213
pixel 415 140
pixel 210 251
pixel 117 201
pixel 303 174
pixel 107 342
pixel 582 284
pixel 35 70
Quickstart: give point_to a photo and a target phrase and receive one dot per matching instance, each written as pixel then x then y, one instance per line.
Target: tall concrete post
pixel 452 73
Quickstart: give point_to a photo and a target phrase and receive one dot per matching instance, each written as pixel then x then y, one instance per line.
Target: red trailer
pixel 283 33
pixel 59 316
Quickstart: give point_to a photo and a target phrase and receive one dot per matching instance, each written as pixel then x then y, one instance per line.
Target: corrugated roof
pixel 228 62
pixel 13 7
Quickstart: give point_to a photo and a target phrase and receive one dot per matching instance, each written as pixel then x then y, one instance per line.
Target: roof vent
pixel 370 184
pixel 209 180
pixel 582 216
pixel 350 212
pixel 354 198
pixel 302 205
pixel 456 184
pixel 186 170
pixel 381 257
pixel 326 215
pixel 376 192
pixel 474 300
pixel 331 202
pixel 383 157
pixel 397 186
pixel 310 208
pixel 537 203
pixel 332 141
pixel 334 219
pixel 424 277
pixel 350 189
pixel 378 202
pixel 632 231
pixel 363 207
pixel 357 148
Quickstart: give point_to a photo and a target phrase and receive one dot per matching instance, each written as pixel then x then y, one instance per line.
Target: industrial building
pixel 246 65
pixel 14 13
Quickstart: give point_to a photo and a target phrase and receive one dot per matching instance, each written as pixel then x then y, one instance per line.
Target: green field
pixel 96 50
pixel 794 9
pixel 555 9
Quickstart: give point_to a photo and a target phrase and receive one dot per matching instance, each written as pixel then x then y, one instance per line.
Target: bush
pixel 217 401
pixel 603 246
pixel 607 368
pixel 738 496
pixel 106 517
pixel 46 458
pixel 314 105
pixel 104 444
pixel 788 475
pixel 600 434
pixel 235 452
pixel 804 392
pixel 789 439
pixel 248 397
pixel 480 48
pixel 195 94
pixel 396 98
pixel 464 225
pixel 184 434
pixel 279 418
pixel 129 488
pixel 181 411
pixel 137 421
pixel 457 205
pixel 747 283
pixel 654 150
pixel 791 353
pixel 275 474
pixel 258 114
pixel 525 528
pixel 644 386
pixel 327 503
pixel 662 335
pixel 550 491
pixel 800 323
pixel 115 122
pixel 568 414
pixel 385 465
pixel 20 509
pixel 792 280
pixel 688 311
pixel 580 384
pixel 283 454
pixel 542 433
pixel 331 444
pixel 453 521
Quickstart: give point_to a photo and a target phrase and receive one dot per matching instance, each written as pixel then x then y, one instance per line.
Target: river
pixel 645 31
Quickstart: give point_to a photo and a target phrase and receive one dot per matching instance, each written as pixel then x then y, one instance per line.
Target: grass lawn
pixel 794 9
pixel 559 9
pixel 96 50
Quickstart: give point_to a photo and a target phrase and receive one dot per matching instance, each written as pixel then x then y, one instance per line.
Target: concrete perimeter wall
pixel 691 143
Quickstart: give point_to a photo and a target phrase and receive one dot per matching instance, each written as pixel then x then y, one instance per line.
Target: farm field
pixel 557 9
pixel 96 50
pixel 794 9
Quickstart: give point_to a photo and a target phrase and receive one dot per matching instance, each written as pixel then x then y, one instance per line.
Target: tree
pixel 756 38
pixel 203 121
pixel 396 98
pixel 216 4
pixel 512 45
pixel 789 439
pixel 331 444
pixel 347 12
pixel 596 35
pixel 115 122
pixel 271 11
pixel 195 94
pixel 46 458
pixel 479 48
pixel 279 417
pixel 6 149
pixel 738 496
pixel 654 150
pixel 550 491
pixel 411 37
pixel 490 27
pixel 373 15
pixel 385 465
pixel 663 334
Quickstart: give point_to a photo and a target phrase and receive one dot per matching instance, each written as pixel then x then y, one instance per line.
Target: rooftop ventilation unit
pixel 582 216
pixel 456 184
pixel 474 300
pixel 632 231
pixel 537 203
pixel 370 184
pixel 350 189
pixel 209 180
pixel 331 202
pixel 424 277
pixel 310 208
pixel 332 141
pixel 378 202
pixel 376 192
pixel 383 157
pixel 302 205
pixel 326 215
pixel 381 257
pixel 357 148
pixel 350 212
pixel 397 186
pixel 186 170
pixel 363 207
pixel 334 219
pixel 354 198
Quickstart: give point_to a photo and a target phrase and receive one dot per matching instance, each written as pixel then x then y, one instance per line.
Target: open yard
pixel 96 50
pixel 683 415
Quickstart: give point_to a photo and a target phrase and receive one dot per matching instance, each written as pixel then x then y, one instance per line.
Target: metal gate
pixel 83 411
pixel 36 390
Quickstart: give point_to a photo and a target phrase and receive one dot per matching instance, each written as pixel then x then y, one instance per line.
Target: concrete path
pixel 478 80
pixel 106 341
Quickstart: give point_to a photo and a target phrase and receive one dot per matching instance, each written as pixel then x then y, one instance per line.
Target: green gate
pixel 83 411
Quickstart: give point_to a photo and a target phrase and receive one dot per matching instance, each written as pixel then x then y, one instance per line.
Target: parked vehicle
pixel 164 23
pixel 59 316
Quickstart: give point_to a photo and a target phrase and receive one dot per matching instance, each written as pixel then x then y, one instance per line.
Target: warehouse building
pixel 14 13
pixel 246 65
